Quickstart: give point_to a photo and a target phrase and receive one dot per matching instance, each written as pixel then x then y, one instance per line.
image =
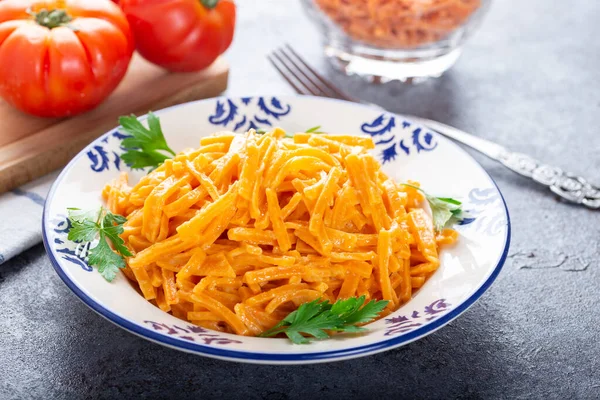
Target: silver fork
pixel 575 189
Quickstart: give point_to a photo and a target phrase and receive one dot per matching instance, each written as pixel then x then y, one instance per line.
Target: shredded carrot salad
pixel 399 23
pixel 236 234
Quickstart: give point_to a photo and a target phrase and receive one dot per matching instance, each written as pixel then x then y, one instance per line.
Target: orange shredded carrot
pixel 238 233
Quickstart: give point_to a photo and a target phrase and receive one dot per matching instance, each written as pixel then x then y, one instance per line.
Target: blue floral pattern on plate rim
pixel 421 142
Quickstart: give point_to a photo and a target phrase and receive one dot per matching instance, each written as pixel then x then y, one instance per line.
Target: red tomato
pixel 61 58
pixel 181 35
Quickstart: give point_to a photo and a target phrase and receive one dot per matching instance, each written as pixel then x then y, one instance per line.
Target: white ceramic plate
pixel 406 151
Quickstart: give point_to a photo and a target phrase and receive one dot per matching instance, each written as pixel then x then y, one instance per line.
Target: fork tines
pixel 303 78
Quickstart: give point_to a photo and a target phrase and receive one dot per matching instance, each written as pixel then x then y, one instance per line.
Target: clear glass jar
pixel 408 40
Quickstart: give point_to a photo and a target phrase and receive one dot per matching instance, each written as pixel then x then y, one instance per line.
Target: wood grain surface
pixel 31 147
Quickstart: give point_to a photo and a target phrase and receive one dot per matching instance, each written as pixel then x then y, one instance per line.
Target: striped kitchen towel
pixel 21 216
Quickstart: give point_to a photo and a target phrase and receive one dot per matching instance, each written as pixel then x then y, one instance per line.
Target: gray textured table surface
pixel 530 79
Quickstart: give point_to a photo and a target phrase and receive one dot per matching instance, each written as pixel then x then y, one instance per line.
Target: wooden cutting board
pixel 31 147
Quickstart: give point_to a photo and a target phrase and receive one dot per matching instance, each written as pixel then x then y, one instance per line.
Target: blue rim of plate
pixel 234 355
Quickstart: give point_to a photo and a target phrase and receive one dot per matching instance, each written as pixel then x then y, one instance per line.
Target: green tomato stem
pixel 52 18
pixel 210 4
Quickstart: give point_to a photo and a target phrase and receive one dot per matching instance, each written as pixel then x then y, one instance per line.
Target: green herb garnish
pixel 87 226
pixel 314 129
pixel 445 210
pixel 145 147
pixel 316 317
pixel 210 4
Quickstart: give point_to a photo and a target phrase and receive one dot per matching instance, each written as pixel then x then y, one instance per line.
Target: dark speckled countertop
pixel 529 79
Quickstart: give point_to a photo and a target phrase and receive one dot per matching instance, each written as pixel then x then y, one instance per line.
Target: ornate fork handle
pixel 572 188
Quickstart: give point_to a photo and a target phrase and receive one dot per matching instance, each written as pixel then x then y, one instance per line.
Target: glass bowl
pixel 407 40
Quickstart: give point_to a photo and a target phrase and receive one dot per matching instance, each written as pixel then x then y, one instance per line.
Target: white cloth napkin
pixel 21 216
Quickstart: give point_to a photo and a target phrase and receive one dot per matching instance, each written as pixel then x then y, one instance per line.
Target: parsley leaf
pixel 317 317
pixel 112 232
pixel 107 261
pixel 314 129
pixel 145 147
pixel 87 226
pixel 444 210
pixel 84 231
pixel 83 225
pixel 354 314
pixel 77 214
